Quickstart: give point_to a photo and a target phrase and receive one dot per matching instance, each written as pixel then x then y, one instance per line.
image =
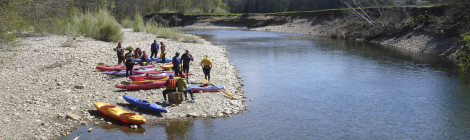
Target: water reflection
pixel 112 128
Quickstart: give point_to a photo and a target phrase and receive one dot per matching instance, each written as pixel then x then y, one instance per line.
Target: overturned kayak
pixel 167 59
pixel 205 88
pixel 121 67
pixel 119 114
pixel 148 85
pixel 134 71
pixel 144 104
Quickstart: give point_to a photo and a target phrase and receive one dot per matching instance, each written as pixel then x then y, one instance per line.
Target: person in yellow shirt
pixel 206 65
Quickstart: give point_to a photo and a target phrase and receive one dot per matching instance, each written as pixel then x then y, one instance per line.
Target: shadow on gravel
pixel 98 114
pixel 138 110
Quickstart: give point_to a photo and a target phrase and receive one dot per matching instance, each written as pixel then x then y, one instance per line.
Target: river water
pixel 306 87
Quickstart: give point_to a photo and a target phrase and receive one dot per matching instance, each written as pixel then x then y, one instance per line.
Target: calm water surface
pixel 306 87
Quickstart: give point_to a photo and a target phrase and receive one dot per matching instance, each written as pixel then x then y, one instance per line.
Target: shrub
pixel 138 24
pixel 127 23
pixel 464 56
pixel 101 26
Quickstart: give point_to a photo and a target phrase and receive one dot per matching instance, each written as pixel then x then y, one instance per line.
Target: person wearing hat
pixel 176 64
pixel 129 61
pixel 183 87
pixel 206 65
pixel 170 86
pixel 154 49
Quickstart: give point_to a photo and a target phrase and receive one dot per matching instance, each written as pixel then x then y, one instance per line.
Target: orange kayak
pixel 119 114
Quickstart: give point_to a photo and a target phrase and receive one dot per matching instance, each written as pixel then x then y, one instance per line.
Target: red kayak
pixel 154 84
pixel 121 67
pixel 149 77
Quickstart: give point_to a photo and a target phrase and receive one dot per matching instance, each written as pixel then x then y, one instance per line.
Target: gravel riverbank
pixel 49 84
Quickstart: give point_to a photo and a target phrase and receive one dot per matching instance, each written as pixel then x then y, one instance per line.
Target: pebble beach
pixel 49 84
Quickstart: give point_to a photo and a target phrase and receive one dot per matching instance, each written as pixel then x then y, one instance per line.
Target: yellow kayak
pixel 166 66
pixel 119 114
pixel 148 81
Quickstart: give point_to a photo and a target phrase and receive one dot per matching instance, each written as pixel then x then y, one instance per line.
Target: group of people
pixel 180 66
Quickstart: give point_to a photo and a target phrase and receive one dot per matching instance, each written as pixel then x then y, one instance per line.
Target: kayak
pixel 121 67
pixel 167 59
pixel 149 77
pixel 166 66
pixel 144 104
pixel 123 72
pixel 149 72
pixel 119 114
pixel 148 81
pixel 148 85
pixel 205 88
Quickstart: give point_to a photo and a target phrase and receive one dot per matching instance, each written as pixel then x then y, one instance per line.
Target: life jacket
pixel 171 84
pixel 144 58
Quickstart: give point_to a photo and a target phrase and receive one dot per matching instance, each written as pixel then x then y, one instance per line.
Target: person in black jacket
pixel 186 58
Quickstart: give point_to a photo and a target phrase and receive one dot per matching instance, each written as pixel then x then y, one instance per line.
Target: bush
pixel 127 23
pixel 165 32
pixel 464 56
pixel 101 26
pixel 138 23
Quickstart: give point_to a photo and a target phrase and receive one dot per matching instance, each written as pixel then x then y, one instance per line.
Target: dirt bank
pixel 420 29
pixel 49 84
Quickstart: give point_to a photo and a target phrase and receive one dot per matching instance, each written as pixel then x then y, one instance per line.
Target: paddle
pixel 228 94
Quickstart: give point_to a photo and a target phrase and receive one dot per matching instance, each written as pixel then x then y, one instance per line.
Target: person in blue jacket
pixel 154 49
pixel 176 64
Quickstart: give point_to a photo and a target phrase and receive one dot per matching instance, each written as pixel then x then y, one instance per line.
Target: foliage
pixel 127 23
pixel 129 48
pixel 138 23
pixel 464 56
pixel 11 21
pixel 165 32
pixel 100 25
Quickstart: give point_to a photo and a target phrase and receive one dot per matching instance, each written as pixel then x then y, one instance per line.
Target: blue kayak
pixel 167 60
pixel 205 88
pixel 123 72
pixel 144 104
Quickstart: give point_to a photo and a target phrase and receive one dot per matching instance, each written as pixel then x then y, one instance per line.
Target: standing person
pixel 154 49
pixel 129 62
pixel 186 58
pixel 163 50
pixel 143 58
pixel 176 64
pixel 170 85
pixel 120 53
pixel 183 87
pixel 206 65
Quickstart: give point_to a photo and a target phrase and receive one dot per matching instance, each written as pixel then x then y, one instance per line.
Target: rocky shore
pixel 49 84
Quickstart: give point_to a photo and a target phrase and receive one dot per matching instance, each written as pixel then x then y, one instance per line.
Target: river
pixel 307 87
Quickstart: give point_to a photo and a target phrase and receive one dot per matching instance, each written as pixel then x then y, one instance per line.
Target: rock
pixel 192 115
pixel 73 116
pixel 60 83
pixel 79 86
pixel 251 99
pixel 109 123
pixel 95 123
pixel 90 130
pixel 134 126
pixel 73 108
